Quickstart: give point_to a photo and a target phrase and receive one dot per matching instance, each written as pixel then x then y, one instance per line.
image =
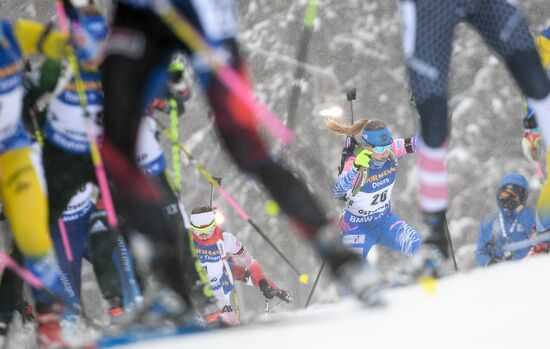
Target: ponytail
pixel 334 124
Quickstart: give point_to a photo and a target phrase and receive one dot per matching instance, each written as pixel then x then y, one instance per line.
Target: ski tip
pixel 429 284
pixel 304 279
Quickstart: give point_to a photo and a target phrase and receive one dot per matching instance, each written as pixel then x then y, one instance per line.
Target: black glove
pixel 268 291
pixel 283 295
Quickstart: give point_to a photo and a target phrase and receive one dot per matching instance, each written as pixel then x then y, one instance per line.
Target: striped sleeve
pixel 345 180
pixel 403 146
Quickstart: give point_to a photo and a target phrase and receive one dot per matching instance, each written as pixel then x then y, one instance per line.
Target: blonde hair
pixel 334 124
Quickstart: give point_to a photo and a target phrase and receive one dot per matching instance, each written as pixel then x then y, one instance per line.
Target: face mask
pixel 511 196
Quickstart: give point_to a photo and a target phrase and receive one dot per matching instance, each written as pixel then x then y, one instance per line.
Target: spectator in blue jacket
pixel 513 221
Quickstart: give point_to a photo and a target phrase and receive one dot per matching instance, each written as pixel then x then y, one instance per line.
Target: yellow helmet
pixel 543 45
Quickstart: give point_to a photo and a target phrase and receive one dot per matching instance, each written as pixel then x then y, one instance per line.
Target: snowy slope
pixel 505 306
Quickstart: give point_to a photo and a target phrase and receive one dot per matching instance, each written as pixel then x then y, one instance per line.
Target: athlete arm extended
pixel 404 146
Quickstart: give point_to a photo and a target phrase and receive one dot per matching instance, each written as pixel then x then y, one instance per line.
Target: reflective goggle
pixel 203 224
pixel 380 149
pixel 204 230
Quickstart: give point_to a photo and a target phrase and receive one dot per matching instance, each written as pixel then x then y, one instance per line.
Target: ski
pixel 143 335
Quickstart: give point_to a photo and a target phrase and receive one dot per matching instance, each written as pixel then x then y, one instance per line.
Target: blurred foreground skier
pixel 139 50
pixel 22 186
pixel 428 28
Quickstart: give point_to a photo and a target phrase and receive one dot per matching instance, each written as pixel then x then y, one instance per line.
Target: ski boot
pixel 115 309
pixel 25 310
pixel 432 260
pixel 359 278
pixel 49 333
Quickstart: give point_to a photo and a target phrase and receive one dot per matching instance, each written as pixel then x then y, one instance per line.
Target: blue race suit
pixel 368 219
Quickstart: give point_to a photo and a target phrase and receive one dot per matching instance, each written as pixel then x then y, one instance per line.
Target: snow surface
pixel 504 306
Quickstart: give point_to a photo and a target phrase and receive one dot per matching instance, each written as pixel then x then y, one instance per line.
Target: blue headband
pixel 376 137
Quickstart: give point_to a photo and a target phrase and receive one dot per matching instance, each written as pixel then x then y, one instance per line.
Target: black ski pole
pixel 303 277
pixel 219 181
pixel 301 57
pixel 450 241
pixel 351 96
pixel 315 283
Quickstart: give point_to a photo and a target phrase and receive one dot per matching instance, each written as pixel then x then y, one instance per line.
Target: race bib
pixel 366 204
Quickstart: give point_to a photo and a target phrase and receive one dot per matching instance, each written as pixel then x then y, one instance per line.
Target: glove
pixel 363 159
pixel 240 273
pixel 530 144
pixel 283 295
pixel 543 247
pixel 160 104
pixel 268 291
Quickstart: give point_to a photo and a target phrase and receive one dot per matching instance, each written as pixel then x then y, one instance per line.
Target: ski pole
pixel 359 180
pixel 67 248
pixel 351 96
pixel 275 307
pixel 266 307
pixel 227 75
pixel 219 181
pixel 538 168
pixel 301 57
pixel 450 241
pixel 303 278
pixel 174 123
pixel 236 301
pixel 315 283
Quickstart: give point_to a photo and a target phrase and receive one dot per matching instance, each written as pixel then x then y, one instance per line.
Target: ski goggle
pixel 203 224
pixel 380 149
pixel 175 77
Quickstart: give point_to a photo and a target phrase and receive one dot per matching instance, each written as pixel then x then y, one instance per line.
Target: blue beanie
pixel 514 178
